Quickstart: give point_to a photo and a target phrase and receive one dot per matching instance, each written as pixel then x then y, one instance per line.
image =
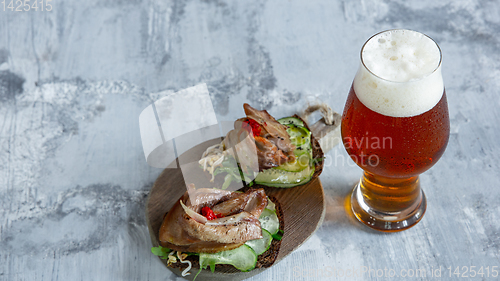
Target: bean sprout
pixel 185 272
pixel 212 157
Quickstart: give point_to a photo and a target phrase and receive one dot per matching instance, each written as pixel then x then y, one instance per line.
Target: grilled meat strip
pixel 270 128
pixel 270 140
pixel 240 223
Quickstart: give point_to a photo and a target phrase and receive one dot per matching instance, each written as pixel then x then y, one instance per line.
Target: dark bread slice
pixel 265 260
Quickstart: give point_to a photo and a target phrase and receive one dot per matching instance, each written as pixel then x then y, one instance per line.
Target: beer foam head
pixel 400 73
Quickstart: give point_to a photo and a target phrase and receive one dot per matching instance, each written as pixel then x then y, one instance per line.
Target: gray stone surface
pixel 73 178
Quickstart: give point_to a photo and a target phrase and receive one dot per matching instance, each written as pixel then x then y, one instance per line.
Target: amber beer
pixel 394 147
pixel 395 126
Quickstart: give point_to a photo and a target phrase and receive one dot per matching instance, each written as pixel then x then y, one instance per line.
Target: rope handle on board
pixel 327 129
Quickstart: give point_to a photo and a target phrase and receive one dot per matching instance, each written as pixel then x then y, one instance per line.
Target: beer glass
pixel 395 126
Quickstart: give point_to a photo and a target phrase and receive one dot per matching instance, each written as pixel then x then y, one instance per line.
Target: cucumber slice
pixel 300 163
pixel 242 258
pixel 261 245
pixel 303 149
pixel 299 135
pixel 301 138
pixel 269 221
pixel 291 120
pixel 270 205
pixel 280 178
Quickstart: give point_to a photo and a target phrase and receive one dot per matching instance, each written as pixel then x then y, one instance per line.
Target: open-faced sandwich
pixel 209 227
pixel 287 153
pixel 240 230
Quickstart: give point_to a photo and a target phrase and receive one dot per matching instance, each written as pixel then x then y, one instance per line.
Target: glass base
pixel 387 221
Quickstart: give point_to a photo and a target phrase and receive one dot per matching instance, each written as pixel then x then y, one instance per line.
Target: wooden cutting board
pixel 303 208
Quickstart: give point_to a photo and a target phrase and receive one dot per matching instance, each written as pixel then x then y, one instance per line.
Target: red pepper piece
pixel 209 214
pixel 254 126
